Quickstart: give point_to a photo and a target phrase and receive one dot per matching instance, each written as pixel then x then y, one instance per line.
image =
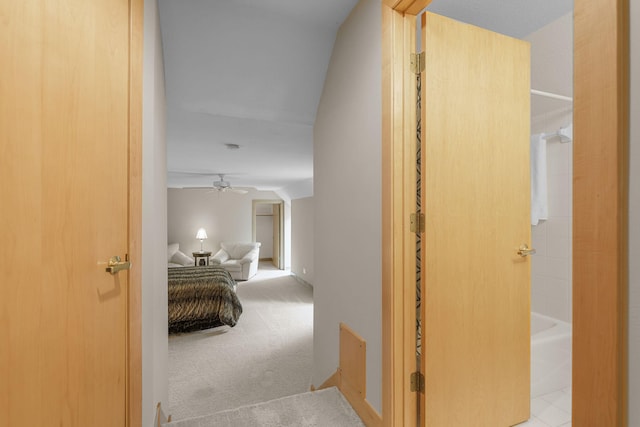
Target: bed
pixel 201 298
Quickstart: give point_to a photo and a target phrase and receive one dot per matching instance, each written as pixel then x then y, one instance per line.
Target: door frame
pixel 280 220
pixel 399 405
pixel 133 380
pixel 600 210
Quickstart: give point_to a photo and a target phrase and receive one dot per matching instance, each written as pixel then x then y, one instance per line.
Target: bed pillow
pixel 171 250
pixel 181 258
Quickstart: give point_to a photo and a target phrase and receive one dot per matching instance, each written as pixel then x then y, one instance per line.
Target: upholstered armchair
pixel 239 259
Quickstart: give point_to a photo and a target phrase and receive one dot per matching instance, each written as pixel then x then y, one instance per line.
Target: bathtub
pixel 550 355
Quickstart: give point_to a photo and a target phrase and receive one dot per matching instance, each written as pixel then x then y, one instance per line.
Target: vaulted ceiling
pixel 244 79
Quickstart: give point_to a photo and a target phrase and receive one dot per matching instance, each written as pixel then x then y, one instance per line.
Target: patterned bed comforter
pixel 201 298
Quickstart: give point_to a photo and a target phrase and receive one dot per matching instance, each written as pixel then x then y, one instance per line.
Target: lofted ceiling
pixel 515 18
pixel 249 73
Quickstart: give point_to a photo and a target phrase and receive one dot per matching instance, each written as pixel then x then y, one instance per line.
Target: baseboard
pixel 301 280
pixel 349 379
pixel 332 381
pixel 363 408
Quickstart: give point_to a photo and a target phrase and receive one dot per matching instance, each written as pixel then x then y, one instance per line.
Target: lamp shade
pixel 202 234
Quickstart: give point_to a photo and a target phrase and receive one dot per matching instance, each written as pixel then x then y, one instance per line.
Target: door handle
pixel 526 251
pixel 116 264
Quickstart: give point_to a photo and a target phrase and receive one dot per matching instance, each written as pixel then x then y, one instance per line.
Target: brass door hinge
pixel 417 222
pixel 417 382
pixel 417 62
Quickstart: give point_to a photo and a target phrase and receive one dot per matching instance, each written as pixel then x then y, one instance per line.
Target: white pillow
pixel 171 250
pixel 181 258
pixel 220 257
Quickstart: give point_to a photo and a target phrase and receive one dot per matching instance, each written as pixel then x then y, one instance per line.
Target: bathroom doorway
pixel 599 199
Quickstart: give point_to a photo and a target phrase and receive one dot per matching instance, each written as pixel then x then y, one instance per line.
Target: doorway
pixel 268 229
pixel 599 200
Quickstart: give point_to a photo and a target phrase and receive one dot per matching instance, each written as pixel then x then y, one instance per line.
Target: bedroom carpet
pixel 267 355
pixel 324 408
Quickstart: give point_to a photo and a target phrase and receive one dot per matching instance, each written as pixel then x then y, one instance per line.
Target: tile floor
pixel 551 410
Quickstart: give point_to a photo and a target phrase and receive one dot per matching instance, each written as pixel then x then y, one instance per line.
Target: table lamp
pixel 201 235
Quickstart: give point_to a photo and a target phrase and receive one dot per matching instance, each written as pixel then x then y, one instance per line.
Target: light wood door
pixel 64 189
pixel 475 189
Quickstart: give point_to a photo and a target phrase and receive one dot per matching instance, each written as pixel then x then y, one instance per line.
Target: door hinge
pixel 417 62
pixel 417 222
pixel 417 382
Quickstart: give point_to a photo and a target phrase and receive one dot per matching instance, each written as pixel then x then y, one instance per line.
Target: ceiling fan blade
pixel 218 174
pixel 218 189
pixel 193 173
pixel 237 190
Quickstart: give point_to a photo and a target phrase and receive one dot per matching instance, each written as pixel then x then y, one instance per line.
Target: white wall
pixel 227 217
pixel 297 190
pixel 302 238
pixel 347 197
pixel 154 223
pixel 552 71
pixel 634 222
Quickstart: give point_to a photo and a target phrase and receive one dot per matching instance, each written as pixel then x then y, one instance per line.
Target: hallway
pixel 267 355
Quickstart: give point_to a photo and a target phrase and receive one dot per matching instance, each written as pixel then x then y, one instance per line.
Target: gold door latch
pixel 526 251
pixel 116 264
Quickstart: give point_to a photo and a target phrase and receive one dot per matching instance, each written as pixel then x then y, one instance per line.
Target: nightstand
pixel 201 258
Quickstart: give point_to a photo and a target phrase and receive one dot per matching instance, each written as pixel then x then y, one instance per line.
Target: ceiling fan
pixel 223 186
pixel 219 185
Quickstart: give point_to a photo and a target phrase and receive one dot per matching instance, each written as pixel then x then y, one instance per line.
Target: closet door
pixel 475 196
pixel 69 186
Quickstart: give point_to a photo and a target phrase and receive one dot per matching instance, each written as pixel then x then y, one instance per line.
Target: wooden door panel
pixel 475 169
pixel 64 133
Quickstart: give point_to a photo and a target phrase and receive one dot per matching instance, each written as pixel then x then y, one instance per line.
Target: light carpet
pixel 324 408
pixel 267 355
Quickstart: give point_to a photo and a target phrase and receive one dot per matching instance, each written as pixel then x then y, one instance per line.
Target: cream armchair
pixel 239 259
